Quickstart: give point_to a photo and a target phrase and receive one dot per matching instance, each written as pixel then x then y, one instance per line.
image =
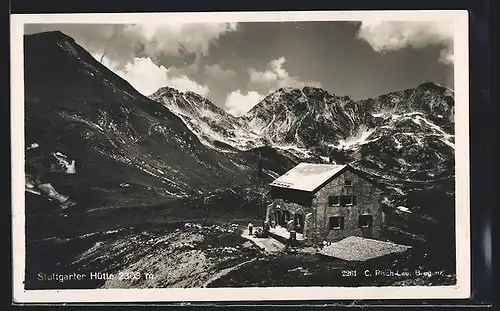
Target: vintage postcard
pixel 170 157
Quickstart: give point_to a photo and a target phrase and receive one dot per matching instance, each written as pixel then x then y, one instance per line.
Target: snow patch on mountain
pixel 297 151
pixel 404 209
pixel 430 124
pixel 399 145
pixel 449 143
pixel 355 140
pixel 67 166
pixel 327 160
pixel 33 146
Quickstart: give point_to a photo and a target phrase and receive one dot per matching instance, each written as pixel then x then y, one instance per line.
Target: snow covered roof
pixel 354 248
pixel 307 176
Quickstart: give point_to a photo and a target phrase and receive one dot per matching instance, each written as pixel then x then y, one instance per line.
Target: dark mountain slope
pixel 90 135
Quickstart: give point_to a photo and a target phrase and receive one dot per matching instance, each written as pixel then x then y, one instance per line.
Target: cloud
pixel 139 52
pixel 184 84
pixel 394 35
pixel 123 42
pixel 275 76
pixel 146 77
pixel 177 39
pixel 237 103
pixel 221 81
pixel 272 78
pixel 217 73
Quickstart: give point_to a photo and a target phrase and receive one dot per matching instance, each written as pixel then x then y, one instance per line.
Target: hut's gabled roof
pixel 308 176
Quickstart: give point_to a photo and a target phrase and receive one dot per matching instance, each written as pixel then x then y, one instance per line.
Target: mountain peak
pixel 313 88
pixel 310 91
pixel 54 36
pixel 307 88
pixel 315 91
pixel 165 90
pixel 52 33
pixel 195 95
pixel 285 89
pixel 55 44
pixel 431 86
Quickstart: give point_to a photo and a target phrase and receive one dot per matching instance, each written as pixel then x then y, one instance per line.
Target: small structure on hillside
pixel 325 202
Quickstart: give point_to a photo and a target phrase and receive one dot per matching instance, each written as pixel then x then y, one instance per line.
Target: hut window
pixel 365 221
pixel 334 200
pixel 348 182
pixel 347 200
pixel 336 222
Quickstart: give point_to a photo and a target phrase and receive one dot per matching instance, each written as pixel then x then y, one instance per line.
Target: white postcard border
pixel 461 79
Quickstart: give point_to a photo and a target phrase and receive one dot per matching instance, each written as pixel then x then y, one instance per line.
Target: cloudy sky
pixel 236 64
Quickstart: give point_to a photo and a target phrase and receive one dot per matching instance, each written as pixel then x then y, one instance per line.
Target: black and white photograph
pixel 240 156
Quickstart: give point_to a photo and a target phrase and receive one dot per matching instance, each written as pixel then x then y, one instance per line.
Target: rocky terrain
pixel 213 126
pixel 407 134
pixel 403 140
pixel 113 178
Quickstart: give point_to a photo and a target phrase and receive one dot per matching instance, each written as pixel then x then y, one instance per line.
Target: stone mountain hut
pixel 325 202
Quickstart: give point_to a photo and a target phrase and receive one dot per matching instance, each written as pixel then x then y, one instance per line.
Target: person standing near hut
pixel 266 228
pixel 250 228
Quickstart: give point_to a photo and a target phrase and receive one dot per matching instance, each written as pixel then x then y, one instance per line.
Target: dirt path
pixel 223 272
pixel 270 245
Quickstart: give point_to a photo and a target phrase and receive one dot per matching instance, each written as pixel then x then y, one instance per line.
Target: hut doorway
pixel 299 223
pixel 280 218
pixel 288 216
